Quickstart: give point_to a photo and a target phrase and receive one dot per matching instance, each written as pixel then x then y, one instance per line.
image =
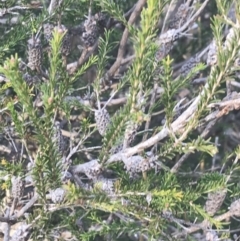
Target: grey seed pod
pixel 28 78
pixel 22 66
pixel 34 53
pixel 89 39
pixel 212 54
pixel 116 148
pixel 187 67
pixel 102 20
pixel 91 33
pixel 66 44
pixel 105 184
pixel 73 99
pixel 57 195
pixel 163 51
pixel 181 16
pixel 58 138
pixel 47 31
pixel 137 164
pixel 168 37
pixel 31 80
pixel 17 187
pixel 54 4
pixel 21 233
pixel 102 119
pixel 211 235
pixel 66 40
pixel 90 25
pixel 167 214
pixel 66 176
pixel 235 208
pixel 130 133
pixel 214 201
pixel 93 169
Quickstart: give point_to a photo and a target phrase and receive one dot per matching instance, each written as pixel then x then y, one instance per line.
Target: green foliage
pixel 132 199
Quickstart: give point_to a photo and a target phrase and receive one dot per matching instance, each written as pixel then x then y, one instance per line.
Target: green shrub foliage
pixel 119 120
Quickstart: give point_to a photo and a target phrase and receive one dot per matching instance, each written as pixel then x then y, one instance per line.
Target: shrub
pixel 119 120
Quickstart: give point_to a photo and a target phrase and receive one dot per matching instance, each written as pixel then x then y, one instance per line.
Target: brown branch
pixel 202 225
pixel 21 212
pixel 87 52
pixel 123 42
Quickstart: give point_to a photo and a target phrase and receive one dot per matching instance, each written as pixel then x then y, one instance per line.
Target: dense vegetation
pixel 119 120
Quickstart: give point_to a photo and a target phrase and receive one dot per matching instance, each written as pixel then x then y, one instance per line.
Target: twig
pixel 177 125
pixel 123 42
pixel 202 225
pixel 169 7
pixel 82 167
pixel 21 212
pixel 7 232
pixel 6 108
pixel 189 22
pixel 72 67
pixel 75 149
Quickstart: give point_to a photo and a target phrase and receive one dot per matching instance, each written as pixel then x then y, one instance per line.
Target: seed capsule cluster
pixel 137 164
pixel 165 42
pixel 93 169
pixel 130 133
pixel 66 176
pixel 162 51
pixel 17 187
pixel 212 54
pixel 102 20
pixel 104 184
pixel 47 31
pixel 116 149
pixel 54 4
pixel 191 63
pixel 66 40
pixel 57 195
pixel 34 53
pixel 169 37
pixel 181 16
pixel 214 201
pixel 21 233
pixel 235 208
pixel 91 33
pixel 58 138
pixel 211 235
pixel 94 26
pixel 102 119
pixel 30 80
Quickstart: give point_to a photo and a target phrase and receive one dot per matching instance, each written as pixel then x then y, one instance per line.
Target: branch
pixel 123 42
pixel 202 225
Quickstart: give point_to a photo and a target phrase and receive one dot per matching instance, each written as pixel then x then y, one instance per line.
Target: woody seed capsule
pixel 102 119
pixel 214 201
pixel 34 53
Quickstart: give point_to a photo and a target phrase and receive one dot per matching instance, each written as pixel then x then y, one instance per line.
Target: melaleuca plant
pixel 119 121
